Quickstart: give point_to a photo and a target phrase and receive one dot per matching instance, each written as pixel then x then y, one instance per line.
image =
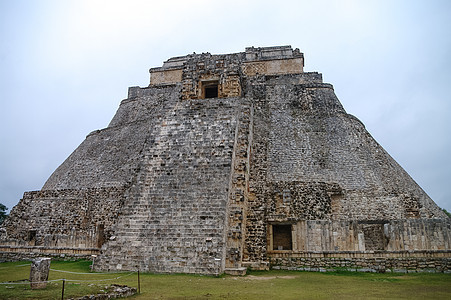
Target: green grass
pixel 19 272
pixel 257 285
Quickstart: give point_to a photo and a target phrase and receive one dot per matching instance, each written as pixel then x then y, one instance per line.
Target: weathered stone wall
pixel 299 200
pixel 367 263
pixel 105 158
pixel 110 157
pixel 313 139
pixel 389 235
pixel 273 67
pixel 175 218
pixel 64 218
pixel 313 161
pixel 205 68
pixel 272 61
pixel 147 105
pixel 8 253
pixel 165 76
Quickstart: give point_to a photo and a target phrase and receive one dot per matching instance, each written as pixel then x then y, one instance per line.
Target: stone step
pixel 239 271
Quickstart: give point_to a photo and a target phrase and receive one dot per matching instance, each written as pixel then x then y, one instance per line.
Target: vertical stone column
pixel 238 193
pixel 39 272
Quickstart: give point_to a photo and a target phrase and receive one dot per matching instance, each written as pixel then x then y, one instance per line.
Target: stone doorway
pixel 282 237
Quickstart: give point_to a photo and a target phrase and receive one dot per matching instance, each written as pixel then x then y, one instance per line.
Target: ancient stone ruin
pixel 228 162
pixel 39 273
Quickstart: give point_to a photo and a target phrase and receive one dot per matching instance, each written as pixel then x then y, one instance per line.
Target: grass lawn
pixel 256 285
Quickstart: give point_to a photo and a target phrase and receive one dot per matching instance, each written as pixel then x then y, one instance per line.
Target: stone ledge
pixel 55 250
pixel 114 291
pixel 241 271
pixel 359 254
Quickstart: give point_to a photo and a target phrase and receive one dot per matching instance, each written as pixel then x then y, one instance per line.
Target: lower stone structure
pixel 226 162
pixel 366 246
pixel 58 219
pixel 426 262
pixel 365 235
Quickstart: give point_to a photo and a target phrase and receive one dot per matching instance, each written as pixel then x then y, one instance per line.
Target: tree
pixel 3 214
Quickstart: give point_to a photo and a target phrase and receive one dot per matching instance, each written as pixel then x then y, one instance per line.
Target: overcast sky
pixel 66 65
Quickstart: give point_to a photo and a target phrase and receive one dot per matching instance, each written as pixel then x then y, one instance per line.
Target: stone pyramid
pixel 228 162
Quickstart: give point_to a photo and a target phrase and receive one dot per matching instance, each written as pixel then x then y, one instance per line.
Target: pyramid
pixel 229 162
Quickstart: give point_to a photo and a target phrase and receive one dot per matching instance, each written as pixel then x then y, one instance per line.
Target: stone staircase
pixel 174 216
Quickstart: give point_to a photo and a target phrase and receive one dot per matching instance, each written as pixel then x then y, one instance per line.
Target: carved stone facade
pixel 226 162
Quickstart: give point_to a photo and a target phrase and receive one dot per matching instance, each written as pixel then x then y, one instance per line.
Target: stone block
pixel 39 272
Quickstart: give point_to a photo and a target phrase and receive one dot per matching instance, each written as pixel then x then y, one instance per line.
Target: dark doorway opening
pixel 211 90
pixel 100 235
pixel 282 239
pixel 32 237
pixel 375 238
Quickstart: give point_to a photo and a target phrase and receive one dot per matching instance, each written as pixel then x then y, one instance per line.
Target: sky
pixel 66 65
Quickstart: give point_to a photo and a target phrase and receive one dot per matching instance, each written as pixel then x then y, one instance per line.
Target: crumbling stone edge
pixel 117 291
pixel 18 256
